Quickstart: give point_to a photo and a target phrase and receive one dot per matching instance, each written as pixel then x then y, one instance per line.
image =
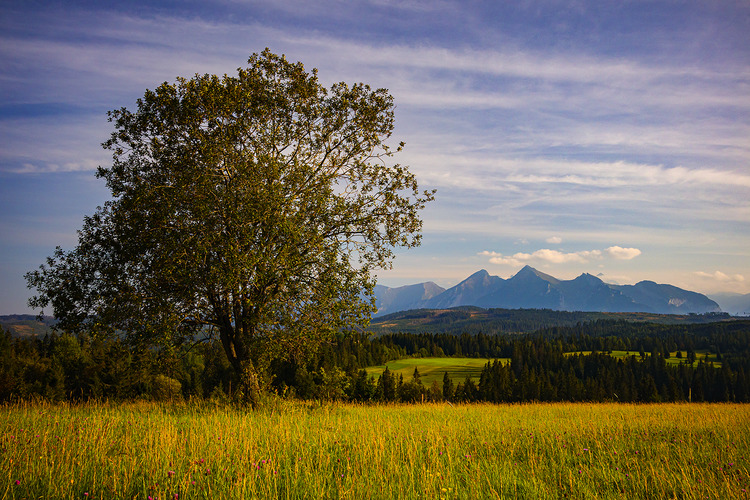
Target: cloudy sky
pixel 608 137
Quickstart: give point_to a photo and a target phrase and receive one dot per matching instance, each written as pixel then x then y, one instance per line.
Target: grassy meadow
pixel 297 450
pixel 675 357
pixel 433 369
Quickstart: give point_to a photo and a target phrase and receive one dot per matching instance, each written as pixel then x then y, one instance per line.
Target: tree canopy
pixel 253 207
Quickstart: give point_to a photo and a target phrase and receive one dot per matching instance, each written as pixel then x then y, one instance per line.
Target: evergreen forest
pixel 656 363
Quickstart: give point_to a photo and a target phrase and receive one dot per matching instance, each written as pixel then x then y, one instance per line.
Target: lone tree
pixel 252 207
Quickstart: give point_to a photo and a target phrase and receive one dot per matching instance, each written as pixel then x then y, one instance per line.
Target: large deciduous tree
pixel 252 206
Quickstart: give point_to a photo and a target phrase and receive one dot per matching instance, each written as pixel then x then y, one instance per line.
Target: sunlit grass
pixel 294 450
pixel 433 369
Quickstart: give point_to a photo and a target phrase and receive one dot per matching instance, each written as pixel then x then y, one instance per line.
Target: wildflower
pixel 18 481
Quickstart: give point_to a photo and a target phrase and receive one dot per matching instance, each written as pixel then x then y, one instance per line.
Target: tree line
pixel 556 364
pixel 473 320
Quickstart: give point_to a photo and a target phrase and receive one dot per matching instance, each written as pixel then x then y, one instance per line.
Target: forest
pixel 661 363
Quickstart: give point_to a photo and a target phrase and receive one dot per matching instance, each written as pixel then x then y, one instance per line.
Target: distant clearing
pixel 674 357
pixel 434 368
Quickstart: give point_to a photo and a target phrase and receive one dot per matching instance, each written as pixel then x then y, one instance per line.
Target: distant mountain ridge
pixel 532 289
pixel 733 303
pixel 389 300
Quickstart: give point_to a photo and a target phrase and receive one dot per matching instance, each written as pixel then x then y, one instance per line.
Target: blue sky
pixel 604 137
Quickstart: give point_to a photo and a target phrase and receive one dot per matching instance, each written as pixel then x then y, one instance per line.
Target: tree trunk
pixel 250 386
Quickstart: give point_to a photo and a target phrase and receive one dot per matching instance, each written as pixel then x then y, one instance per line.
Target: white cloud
pixel 543 255
pixel 557 257
pixel 498 258
pixel 620 253
pixel 555 240
pixel 722 277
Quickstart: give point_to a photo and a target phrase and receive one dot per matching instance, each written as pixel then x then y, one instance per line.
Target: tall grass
pixel 294 450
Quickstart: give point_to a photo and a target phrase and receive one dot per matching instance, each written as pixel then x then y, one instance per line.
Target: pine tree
pixel 447 387
pixel 416 376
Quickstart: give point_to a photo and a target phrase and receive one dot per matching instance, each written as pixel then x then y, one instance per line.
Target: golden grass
pixel 296 450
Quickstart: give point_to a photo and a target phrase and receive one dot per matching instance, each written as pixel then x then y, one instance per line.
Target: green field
pixel 433 369
pixel 295 450
pixel 673 359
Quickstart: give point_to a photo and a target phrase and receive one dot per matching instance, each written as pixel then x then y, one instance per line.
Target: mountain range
pixel 532 289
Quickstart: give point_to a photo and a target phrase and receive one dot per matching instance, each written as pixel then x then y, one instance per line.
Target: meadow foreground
pixel 294 450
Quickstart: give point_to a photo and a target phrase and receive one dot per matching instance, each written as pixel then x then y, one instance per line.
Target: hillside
pixel 26 325
pixel 498 321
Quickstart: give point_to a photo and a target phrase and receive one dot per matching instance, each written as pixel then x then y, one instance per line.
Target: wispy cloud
pixel 530 144
pixel 525 64
pixel 721 277
pixel 454 169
